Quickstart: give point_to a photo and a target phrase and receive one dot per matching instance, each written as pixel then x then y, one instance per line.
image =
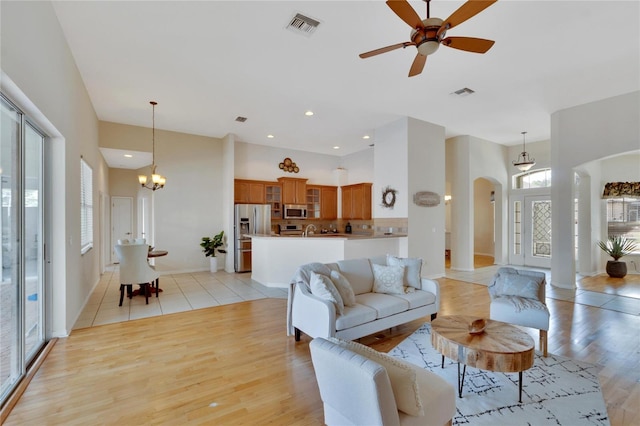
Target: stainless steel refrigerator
pixel 250 219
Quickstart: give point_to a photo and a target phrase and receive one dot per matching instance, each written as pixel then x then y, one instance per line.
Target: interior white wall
pixel 228 213
pixel 191 205
pixel 359 166
pixel 579 135
pixel 409 157
pixel 483 221
pixel 260 162
pixel 36 59
pixel 426 172
pixel 470 158
pixel 391 168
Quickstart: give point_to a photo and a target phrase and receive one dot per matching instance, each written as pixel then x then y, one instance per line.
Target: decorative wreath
pixel 388 197
pixel 289 166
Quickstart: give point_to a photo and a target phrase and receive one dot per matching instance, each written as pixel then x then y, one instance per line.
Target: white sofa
pixel 372 312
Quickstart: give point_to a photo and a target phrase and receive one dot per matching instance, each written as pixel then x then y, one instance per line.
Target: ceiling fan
pixel 427 34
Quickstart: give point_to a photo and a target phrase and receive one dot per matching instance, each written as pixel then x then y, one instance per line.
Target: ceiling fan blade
pixel 468 10
pixel 470 44
pixel 385 49
pixel 405 12
pixel 418 65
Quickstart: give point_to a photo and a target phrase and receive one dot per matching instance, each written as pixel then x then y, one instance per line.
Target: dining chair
pixel 134 269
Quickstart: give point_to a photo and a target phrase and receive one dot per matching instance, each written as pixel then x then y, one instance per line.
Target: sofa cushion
pixel 344 288
pixel 412 271
pixel 359 273
pixel 523 311
pixel 322 287
pixel 417 298
pixel 384 304
pixel 355 315
pixel 388 279
pixel 513 284
pixel 402 376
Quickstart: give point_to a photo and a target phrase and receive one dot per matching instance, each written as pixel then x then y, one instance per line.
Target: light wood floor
pixel 234 364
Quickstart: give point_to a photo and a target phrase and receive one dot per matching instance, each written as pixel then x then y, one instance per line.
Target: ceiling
pixel 208 62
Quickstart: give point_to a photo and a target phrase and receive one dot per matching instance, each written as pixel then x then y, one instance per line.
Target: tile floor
pixel 625 304
pixel 188 291
pixel 180 292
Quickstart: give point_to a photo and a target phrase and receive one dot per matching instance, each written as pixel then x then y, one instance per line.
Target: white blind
pixel 86 207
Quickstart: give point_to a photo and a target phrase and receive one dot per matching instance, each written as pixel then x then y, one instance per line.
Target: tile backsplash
pixel 362 227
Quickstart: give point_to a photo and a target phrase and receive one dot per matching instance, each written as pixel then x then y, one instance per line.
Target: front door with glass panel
pixel 531 231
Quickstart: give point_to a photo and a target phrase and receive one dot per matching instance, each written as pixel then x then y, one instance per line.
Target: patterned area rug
pixel 555 391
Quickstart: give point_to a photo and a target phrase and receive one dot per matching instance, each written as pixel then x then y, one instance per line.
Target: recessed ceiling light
pixel 366 137
pixel 270 136
pixel 128 156
pixel 336 147
pixel 308 113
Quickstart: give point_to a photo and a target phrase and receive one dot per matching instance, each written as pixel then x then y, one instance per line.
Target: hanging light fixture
pixel 524 161
pixel 157 181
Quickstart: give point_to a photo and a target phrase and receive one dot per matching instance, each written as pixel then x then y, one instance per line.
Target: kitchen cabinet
pixel 249 192
pixel 356 201
pixel 273 197
pixel 313 202
pixel 329 202
pixel 294 190
pixel 322 202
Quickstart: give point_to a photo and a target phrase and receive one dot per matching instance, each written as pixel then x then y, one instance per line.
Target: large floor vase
pixel 616 268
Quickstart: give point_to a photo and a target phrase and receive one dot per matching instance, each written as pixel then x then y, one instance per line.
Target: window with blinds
pixel 86 207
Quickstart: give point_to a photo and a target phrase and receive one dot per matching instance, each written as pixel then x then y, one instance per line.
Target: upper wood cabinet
pixel 249 192
pixel 329 202
pixel 294 190
pixel 356 201
pixel 322 202
pixel 273 197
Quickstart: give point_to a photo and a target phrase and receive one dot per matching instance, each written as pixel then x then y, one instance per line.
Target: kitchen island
pixel 275 258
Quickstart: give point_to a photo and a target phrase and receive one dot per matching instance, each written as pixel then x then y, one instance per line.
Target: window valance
pixel 621 189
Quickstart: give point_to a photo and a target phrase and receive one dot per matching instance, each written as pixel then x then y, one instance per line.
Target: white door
pixel 531 231
pixel 121 221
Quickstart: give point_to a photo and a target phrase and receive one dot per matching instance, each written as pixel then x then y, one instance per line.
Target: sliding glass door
pixel 22 257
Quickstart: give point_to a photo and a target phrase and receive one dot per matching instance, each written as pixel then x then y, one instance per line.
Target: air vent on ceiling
pixel 304 25
pixel 464 92
pixel 241 119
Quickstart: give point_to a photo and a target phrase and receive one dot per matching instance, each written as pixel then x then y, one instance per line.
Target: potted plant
pixel 210 246
pixel 616 247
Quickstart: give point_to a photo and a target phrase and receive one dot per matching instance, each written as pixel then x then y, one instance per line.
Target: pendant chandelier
pixel 524 161
pixel 157 181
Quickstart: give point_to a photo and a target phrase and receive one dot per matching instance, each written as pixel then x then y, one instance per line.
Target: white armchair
pixel 134 269
pixel 356 389
pixel 518 297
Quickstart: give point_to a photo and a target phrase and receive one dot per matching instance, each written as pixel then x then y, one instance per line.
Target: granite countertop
pixel 319 236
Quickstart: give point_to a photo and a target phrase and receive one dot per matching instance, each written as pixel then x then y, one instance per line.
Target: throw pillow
pixel 388 279
pixel 344 288
pixel 413 268
pixel 509 284
pixel 401 375
pixel 322 287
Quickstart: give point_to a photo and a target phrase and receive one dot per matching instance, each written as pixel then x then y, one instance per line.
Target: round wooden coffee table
pixel 501 347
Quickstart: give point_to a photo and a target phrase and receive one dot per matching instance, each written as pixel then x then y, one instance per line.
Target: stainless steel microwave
pixel 295 211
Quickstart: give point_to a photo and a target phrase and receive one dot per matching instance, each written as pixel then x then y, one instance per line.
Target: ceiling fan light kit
pixel 427 34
